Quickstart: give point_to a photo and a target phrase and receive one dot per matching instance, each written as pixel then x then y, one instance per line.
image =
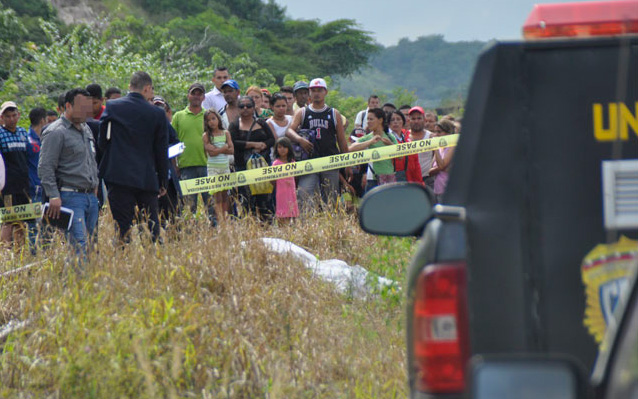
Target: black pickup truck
pixel 528 251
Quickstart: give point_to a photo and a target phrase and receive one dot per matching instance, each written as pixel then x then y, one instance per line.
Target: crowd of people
pixel 98 148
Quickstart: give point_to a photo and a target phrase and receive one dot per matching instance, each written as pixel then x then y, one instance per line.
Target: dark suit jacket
pixel 137 153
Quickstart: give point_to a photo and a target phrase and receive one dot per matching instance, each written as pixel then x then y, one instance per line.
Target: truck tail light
pixel 583 19
pixel 440 328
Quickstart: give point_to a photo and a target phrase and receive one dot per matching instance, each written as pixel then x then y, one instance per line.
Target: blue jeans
pixel 85 212
pixel 324 183
pixel 193 172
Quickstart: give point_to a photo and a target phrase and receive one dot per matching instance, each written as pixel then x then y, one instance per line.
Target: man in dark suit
pixel 134 144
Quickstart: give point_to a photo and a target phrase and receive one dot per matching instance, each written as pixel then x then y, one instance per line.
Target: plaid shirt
pixel 10 142
pixel 13 147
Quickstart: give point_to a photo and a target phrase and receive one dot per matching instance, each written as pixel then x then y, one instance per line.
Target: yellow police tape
pixel 227 181
pixel 20 212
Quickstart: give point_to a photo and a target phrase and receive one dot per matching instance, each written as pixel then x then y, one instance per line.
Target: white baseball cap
pixel 7 105
pixel 318 82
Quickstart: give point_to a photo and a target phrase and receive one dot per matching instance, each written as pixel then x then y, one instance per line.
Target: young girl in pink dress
pixel 286 193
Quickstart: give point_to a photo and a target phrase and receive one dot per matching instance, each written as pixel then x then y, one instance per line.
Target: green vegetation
pixel 205 28
pixel 252 37
pixel 435 70
pixel 207 316
pixel 176 52
pixel 29 13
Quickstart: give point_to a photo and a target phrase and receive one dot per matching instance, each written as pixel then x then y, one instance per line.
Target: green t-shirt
pixel 381 167
pixel 190 128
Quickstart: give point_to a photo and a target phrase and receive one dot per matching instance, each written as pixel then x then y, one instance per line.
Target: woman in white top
pixel 279 122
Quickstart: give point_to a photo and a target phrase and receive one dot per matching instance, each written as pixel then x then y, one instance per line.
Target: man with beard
pixel 418 132
pixel 230 112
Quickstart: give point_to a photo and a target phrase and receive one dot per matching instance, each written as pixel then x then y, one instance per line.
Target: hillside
pixel 434 69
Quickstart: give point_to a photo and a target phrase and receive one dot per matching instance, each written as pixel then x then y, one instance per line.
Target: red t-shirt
pixel 411 162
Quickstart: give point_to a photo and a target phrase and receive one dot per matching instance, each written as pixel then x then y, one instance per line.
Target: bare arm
pixel 208 147
pixel 341 137
pixel 444 162
pixel 229 148
pixel 362 145
pixel 296 121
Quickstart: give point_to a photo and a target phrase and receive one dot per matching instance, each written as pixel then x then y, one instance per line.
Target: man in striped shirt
pixel 13 146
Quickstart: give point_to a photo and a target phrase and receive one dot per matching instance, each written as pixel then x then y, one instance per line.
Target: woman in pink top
pixel 442 159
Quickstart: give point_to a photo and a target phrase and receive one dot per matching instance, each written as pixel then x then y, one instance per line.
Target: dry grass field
pixel 204 316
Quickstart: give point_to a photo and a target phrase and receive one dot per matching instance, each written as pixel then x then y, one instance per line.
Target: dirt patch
pixel 75 11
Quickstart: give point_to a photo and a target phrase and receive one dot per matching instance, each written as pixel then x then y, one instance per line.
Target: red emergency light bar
pixel 585 19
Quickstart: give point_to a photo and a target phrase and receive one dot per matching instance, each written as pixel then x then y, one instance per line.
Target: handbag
pixel 257 161
pixel 248 153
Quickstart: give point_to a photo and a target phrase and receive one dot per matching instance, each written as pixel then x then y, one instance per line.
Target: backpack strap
pixel 303 117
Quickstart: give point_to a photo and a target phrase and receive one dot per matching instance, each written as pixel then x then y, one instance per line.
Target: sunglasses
pixel 242 106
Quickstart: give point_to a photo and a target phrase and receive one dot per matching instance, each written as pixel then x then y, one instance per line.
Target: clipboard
pixel 175 150
pixel 64 221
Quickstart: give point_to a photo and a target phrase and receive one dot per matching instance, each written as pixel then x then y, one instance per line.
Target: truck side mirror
pixel 396 209
pixel 527 376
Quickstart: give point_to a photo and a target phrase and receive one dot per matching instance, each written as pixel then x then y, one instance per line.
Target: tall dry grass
pixel 203 316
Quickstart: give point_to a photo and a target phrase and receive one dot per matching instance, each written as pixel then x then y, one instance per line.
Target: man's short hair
pixel 286 89
pixel 61 100
pixel 112 90
pixel 71 94
pixel 95 90
pixel 373 96
pixel 37 114
pixel 220 69
pixel 428 113
pixel 140 79
pixel 390 105
pixel 278 96
pixel 160 102
pixel 52 113
pixel 404 106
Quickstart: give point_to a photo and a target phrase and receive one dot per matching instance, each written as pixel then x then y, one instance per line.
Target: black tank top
pixel 323 124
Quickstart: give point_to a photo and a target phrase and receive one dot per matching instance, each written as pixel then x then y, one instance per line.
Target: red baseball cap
pixel 416 109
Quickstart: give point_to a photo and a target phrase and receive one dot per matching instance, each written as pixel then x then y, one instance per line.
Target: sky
pixel 456 20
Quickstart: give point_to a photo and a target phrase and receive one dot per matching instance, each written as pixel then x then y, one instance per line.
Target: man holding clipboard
pixel 67 168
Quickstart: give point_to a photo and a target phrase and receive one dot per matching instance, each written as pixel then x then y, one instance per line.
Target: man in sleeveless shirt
pixel 327 126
